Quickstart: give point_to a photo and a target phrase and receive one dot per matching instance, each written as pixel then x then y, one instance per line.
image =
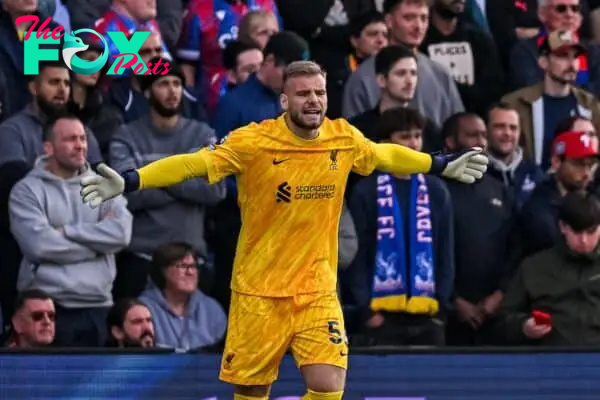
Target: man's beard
pixel 399 98
pixel 165 111
pixel 295 117
pixel 499 153
pixel 561 80
pixel 48 108
pixel 137 343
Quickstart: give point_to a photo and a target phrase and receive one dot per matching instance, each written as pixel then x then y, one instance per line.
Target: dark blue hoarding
pixel 560 376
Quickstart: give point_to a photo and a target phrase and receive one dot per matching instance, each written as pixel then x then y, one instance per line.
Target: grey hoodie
pixel 203 325
pixel 507 170
pixel 77 267
pixel 436 95
pixel 171 214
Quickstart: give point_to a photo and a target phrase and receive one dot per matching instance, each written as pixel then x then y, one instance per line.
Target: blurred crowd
pixel 513 259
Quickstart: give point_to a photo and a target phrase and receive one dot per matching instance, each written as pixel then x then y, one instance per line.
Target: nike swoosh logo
pixel 277 162
pixel 343 354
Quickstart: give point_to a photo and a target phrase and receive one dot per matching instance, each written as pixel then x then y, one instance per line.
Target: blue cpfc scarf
pixel 398 287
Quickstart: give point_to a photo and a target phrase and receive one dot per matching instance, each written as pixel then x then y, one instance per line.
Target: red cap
pixel 575 145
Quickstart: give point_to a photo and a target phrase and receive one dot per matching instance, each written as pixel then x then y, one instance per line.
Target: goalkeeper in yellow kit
pixel 291 174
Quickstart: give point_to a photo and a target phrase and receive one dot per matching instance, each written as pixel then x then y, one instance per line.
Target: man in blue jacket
pixel 574 160
pixel 402 276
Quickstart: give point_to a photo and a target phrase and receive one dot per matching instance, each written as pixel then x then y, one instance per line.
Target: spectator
pixel 507 21
pixel 258 98
pixel 240 60
pixel 555 15
pixel 574 159
pixel 83 14
pixel 128 16
pixel 206 30
pixel 21 135
pixel 21 143
pixel 560 281
pixel 486 246
pixel 253 101
pixel 467 52
pixel 506 156
pixel 401 284
pixel 368 35
pixel 12 53
pixel 33 324
pixel 327 25
pixel 130 324
pixel 436 95
pixel 243 57
pixel 127 95
pixel 257 27
pixel 88 103
pixel 397 76
pixel 68 248
pixel 184 317
pixel 542 105
pixel 161 215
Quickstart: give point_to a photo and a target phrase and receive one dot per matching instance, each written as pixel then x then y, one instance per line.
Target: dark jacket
pixel 521 176
pixel 363 206
pixel 470 45
pixel 12 57
pixel 367 124
pixel 523 102
pixel 538 219
pixel 101 118
pixel 562 284
pixel 248 102
pixel 486 246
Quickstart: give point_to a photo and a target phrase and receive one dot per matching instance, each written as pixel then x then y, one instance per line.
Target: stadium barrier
pixel 382 374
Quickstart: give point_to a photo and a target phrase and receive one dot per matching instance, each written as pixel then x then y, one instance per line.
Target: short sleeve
pixel 365 160
pixel 232 155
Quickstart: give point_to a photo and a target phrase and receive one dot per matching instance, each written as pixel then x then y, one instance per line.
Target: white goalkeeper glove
pixel 97 189
pixel 465 166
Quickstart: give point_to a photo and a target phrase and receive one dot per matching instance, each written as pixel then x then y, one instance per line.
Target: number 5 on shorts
pixel 335 335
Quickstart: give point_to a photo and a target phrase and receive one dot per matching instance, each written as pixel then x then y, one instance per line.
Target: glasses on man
pixel 186 266
pixel 562 8
pixel 37 316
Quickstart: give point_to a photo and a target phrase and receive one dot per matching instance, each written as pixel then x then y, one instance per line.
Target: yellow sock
pixel 310 395
pixel 242 397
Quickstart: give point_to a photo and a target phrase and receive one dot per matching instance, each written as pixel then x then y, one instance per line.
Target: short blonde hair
pixel 250 22
pixel 303 68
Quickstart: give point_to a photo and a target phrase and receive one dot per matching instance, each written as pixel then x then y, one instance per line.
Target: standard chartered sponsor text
pixel 314 192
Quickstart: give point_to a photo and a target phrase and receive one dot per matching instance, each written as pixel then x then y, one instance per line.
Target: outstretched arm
pixel 465 166
pixel 213 163
pixel 397 159
pixel 172 170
